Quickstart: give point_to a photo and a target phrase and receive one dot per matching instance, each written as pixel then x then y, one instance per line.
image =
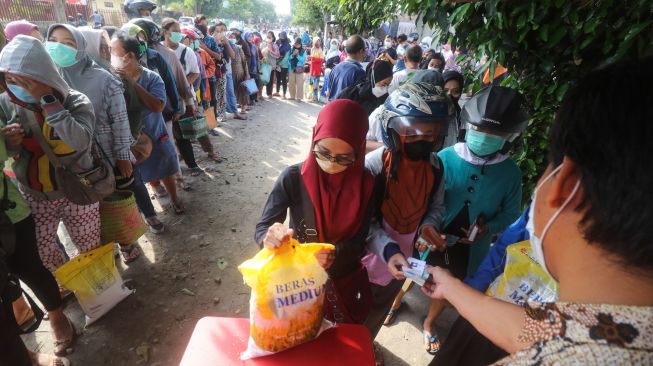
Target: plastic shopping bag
pixel 266 72
pixel 286 305
pixel 523 279
pixel 95 281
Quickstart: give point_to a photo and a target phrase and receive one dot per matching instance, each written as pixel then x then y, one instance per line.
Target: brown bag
pixel 211 121
pixel 142 148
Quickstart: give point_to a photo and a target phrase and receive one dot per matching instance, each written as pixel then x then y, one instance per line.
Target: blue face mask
pixel 21 94
pixel 62 55
pixel 483 144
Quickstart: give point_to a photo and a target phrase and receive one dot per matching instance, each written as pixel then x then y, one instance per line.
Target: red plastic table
pixel 220 341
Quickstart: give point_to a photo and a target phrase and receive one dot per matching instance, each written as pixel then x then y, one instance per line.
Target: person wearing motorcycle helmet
pixel 139 9
pixel 415 124
pixel 482 187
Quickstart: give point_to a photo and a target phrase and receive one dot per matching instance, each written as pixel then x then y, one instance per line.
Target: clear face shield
pixel 414 129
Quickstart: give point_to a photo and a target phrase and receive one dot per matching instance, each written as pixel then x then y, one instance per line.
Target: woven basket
pixel 192 129
pixel 120 220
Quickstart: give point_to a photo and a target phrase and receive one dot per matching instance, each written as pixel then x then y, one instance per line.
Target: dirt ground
pixel 189 271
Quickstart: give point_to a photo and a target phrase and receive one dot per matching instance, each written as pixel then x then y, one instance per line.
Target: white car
pixel 186 20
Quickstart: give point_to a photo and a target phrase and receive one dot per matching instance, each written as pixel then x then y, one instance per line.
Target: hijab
pixel 17 27
pixel 407 190
pixel 340 200
pixel 284 44
pixel 93 39
pixel 86 76
pixel 333 49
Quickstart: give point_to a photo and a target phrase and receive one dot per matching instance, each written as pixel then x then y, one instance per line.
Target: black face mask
pixel 418 150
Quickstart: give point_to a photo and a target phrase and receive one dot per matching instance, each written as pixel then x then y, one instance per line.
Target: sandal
pixel 160 191
pixel 156 226
pixel 215 157
pixel 431 343
pixel 392 315
pixel 196 171
pixel 62 346
pixel 178 207
pixel 183 185
pixel 129 253
pixel 52 360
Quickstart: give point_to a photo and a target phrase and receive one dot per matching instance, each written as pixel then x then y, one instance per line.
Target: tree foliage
pixel 356 16
pixel 244 10
pixel 547 45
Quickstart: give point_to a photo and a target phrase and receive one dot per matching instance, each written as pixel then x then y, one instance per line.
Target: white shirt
pixel 190 60
pixel 375 133
pixel 400 78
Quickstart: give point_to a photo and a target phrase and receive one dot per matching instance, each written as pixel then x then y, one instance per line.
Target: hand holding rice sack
pixel 287 302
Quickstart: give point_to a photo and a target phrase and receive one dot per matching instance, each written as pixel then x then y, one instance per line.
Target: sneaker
pixel 156 226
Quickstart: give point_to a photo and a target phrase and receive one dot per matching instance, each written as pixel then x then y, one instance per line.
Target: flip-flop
pixel 62 346
pixel 392 315
pixel 433 341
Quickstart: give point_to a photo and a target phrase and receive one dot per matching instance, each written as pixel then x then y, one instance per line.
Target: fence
pixel 38 11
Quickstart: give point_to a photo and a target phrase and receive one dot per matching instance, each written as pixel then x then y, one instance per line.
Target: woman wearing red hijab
pixel 330 197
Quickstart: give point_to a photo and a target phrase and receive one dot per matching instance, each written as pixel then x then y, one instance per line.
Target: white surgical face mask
pixel 117 62
pixel 537 242
pixel 379 91
pixel 388 44
pixel 149 17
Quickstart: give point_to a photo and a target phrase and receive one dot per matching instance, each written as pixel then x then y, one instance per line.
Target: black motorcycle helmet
pixel 132 7
pixel 497 109
pixel 151 29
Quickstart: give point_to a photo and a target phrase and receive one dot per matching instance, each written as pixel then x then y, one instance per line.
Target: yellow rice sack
pixel 95 281
pixel 523 279
pixel 286 305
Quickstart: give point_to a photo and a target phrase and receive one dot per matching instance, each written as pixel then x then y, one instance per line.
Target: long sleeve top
pixel 287 197
pixel 494 263
pixel 491 189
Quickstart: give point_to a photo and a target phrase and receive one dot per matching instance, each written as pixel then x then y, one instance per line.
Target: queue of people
pixel 435 180
pixel 397 168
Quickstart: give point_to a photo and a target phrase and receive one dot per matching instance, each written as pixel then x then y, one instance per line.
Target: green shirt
pixel 21 211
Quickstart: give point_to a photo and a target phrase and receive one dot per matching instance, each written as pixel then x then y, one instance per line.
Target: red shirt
pixel 316 66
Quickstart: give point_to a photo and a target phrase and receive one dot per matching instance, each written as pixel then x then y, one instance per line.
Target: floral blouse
pixel 585 334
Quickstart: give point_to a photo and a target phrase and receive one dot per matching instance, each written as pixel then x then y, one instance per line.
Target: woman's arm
pixel 149 101
pixel 501 322
pixel 276 207
pixel 117 112
pixel 510 207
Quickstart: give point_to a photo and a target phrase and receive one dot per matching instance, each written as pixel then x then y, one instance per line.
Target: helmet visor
pixel 419 126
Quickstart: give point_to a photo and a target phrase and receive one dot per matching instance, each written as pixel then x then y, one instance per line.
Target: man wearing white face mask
pixel 388 50
pixel 590 229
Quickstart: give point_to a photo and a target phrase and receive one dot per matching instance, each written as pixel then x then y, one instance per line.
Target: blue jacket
pixel 495 261
pixel 344 75
pixel 301 59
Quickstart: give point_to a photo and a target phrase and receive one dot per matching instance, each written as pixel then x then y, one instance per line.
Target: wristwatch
pixel 48 98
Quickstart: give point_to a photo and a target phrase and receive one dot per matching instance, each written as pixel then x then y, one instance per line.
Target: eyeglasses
pixel 339 159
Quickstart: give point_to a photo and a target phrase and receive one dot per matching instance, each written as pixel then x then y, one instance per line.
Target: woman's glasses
pixel 338 159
